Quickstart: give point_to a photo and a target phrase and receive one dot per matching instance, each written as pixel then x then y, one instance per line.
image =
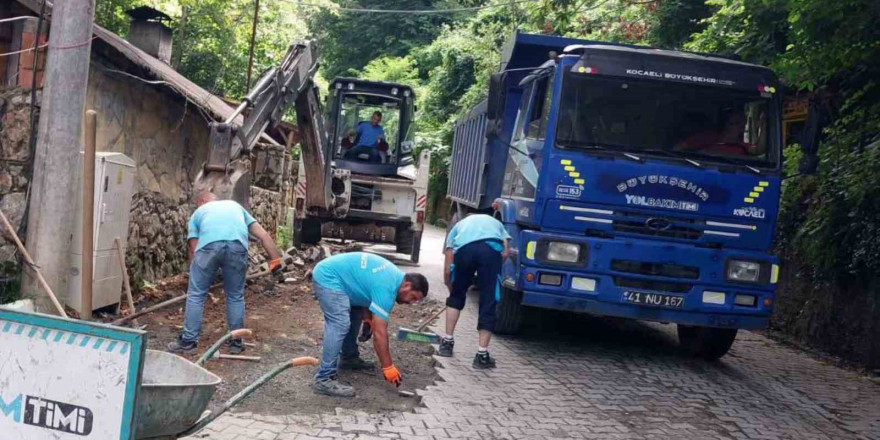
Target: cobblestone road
pixel 579 377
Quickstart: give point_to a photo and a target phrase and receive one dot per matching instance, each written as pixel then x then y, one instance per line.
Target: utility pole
pixel 60 139
pixel 253 39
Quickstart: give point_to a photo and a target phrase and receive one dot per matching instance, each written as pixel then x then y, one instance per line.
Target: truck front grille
pixel 660 286
pixel 655 269
pixel 642 224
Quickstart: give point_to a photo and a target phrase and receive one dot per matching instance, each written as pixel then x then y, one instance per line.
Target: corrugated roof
pixel 192 91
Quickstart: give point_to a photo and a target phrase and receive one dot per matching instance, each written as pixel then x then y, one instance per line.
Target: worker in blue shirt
pixel 218 239
pixel 351 288
pixel 477 244
pixel 368 137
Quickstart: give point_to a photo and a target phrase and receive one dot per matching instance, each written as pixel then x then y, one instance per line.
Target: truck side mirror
pixel 495 104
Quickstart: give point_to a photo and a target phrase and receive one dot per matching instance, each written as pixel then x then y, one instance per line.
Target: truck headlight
pixel 563 252
pixel 743 271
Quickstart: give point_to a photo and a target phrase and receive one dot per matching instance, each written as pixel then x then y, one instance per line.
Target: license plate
pixel 654 299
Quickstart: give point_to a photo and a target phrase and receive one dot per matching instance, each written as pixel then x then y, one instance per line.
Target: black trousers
pixel 480 259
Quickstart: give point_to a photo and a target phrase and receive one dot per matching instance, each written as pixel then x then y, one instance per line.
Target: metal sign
pixel 67 379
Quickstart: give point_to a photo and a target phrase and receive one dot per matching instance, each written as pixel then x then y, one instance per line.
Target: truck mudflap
pixel 593 306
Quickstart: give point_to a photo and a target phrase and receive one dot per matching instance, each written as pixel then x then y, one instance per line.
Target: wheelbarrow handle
pixel 240 333
pixel 210 416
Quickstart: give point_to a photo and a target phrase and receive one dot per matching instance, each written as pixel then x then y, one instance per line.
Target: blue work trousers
pixel 230 257
pixel 342 322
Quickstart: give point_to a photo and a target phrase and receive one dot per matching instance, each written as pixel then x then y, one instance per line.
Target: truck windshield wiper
pixel 598 147
pixel 676 154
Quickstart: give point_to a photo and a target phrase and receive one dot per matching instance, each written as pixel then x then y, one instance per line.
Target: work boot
pixel 236 346
pixel 483 361
pixel 446 346
pixel 181 346
pixel 355 363
pixel 333 388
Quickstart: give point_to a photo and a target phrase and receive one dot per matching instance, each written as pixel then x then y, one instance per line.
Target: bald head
pixel 205 197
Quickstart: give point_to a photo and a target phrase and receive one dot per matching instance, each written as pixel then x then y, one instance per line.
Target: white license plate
pixel 654 299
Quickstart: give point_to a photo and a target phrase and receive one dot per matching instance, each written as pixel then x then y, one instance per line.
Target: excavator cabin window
pixel 368 128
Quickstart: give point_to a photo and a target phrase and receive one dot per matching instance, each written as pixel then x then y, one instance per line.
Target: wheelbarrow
pixel 174 392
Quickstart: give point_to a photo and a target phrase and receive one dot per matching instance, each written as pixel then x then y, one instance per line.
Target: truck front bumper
pixel 596 307
pixel 613 270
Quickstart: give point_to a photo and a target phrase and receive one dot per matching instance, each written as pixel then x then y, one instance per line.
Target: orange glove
pixel 275 266
pixel 392 375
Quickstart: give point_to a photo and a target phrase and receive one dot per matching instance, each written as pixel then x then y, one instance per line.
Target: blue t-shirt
pixel 476 227
pixel 368 280
pixel 369 135
pixel 220 220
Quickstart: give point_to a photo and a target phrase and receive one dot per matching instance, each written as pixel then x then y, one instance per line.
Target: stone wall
pixel 14 157
pixel 267 209
pixel 156 237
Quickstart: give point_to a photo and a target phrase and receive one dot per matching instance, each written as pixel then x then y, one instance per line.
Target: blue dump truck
pixel 635 182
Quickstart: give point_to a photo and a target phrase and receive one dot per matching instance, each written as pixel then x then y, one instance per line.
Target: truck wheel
pixel 403 238
pixel 416 247
pixel 708 343
pixel 306 231
pixel 508 312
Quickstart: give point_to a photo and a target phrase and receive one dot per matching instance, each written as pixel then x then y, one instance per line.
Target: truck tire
pixel 403 238
pixel 708 343
pixel 306 231
pixel 508 312
pixel 408 242
pixel 417 247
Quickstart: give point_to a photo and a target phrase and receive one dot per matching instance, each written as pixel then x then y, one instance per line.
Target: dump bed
pixel 467 168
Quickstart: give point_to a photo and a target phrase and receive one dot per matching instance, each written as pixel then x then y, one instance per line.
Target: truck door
pixel 527 144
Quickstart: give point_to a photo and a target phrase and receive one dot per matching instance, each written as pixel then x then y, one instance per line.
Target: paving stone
pixel 547 388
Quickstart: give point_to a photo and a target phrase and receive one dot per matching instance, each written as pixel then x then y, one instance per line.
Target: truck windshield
pixel 664 118
pixel 368 128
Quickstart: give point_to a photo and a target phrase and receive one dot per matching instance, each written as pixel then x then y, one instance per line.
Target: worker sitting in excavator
pixel 218 239
pixel 369 140
pixel 345 285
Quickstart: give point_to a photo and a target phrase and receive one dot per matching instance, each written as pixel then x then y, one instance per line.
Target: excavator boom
pixel 227 170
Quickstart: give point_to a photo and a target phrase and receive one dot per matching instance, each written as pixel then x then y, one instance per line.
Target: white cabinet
pixel 114 183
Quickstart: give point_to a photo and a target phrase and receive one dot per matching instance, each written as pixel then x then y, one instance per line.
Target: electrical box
pixel 114 184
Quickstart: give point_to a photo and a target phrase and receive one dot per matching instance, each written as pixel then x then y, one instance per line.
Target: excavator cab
pixel 370 127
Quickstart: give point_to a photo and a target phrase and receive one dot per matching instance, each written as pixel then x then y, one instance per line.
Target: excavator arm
pixel 227 170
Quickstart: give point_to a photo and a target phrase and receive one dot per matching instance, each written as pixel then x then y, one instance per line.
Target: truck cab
pixel 370 128
pixel 635 182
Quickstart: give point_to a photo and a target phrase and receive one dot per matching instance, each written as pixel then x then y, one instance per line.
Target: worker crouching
pixel 352 288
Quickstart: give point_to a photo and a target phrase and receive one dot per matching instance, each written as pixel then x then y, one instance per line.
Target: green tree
pixel 349 41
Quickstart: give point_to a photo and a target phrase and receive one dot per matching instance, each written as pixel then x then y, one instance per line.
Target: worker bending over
pixel 476 244
pixel 218 239
pixel 344 285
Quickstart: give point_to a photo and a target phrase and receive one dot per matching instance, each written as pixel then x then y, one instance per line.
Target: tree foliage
pixel 349 41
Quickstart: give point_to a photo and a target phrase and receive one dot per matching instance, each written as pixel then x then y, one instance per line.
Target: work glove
pixel 366 330
pixel 275 267
pixel 392 375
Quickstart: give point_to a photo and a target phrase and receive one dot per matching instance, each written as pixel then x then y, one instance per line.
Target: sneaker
pixel 333 388
pixel 446 345
pixel 181 346
pixel 483 361
pixel 236 346
pixel 355 363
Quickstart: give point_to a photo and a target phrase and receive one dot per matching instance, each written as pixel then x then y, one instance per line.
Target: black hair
pixel 418 282
pixel 377 112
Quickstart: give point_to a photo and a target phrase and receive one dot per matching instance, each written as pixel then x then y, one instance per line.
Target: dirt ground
pixel 287 323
